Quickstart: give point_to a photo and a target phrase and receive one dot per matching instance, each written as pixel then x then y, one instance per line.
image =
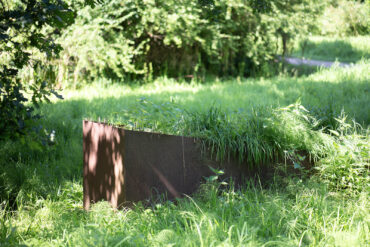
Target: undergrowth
pixel 265 136
pixel 289 213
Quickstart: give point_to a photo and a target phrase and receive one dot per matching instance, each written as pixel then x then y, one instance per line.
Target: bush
pixel 346 18
pixel 135 38
pixel 347 166
pixel 21 24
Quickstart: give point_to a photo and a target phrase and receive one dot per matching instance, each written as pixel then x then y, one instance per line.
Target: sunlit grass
pixel 300 215
pixel 343 49
pixel 46 186
pixel 335 88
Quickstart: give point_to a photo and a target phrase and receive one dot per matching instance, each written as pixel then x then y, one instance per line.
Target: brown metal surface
pixel 103 150
pixel 123 166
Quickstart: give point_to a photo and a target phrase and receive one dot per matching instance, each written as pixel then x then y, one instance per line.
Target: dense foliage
pixel 121 39
pixel 20 32
pixel 344 17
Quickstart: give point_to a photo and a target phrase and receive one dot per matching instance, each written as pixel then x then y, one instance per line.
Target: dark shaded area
pixel 152 164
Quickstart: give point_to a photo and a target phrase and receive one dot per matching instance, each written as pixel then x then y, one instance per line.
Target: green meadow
pixel 207 69
pixel 325 113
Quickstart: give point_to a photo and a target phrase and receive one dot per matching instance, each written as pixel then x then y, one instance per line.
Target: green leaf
pixel 217 172
pixel 212 178
pixel 334 132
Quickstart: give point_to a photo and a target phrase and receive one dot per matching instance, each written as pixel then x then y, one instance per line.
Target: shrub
pixel 347 166
pixel 21 23
pixel 343 17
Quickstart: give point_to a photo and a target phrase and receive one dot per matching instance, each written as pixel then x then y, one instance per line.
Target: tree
pixel 22 32
pixel 139 39
pixel 21 25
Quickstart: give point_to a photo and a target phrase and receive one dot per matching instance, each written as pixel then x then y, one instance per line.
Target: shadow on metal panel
pixel 123 166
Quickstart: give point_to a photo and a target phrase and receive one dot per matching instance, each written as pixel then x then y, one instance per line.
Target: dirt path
pixel 309 62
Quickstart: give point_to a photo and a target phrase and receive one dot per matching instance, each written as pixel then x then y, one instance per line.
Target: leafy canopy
pixel 22 33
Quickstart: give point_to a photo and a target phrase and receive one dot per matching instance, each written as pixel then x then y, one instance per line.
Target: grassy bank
pixel 43 185
pixel 348 49
pixel 333 89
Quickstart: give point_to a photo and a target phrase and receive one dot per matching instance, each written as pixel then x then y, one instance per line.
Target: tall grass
pixel 267 136
pixel 296 214
pixel 258 137
pixel 330 90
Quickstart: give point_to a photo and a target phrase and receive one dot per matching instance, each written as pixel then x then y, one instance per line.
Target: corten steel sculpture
pixel 124 166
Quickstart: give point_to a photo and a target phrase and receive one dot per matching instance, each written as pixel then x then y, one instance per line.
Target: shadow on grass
pixel 331 51
pixel 299 70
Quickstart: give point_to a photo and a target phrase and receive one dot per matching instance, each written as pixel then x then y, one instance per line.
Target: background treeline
pixel 135 39
pixel 128 38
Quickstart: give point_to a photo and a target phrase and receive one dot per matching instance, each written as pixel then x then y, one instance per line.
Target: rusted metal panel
pixel 159 163
pixel 124 166
pixel 103 150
